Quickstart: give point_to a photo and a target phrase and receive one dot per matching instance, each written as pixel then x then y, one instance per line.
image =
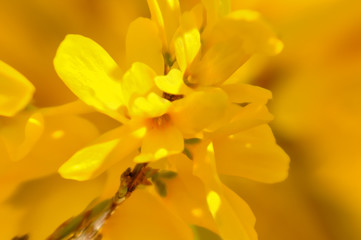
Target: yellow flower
pixel 207 53
pixel 34 142
pixel 149 120
pixel 179 94
pixel 15 91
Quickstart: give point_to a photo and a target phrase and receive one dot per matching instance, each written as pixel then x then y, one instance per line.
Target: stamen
pixel 172 97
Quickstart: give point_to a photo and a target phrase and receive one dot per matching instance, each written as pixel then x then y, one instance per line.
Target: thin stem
pixel 87 225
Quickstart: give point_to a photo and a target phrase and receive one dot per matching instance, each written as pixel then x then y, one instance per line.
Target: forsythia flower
pixel 175 98
pixel 157 111
pixel 33 143
pixel 177 101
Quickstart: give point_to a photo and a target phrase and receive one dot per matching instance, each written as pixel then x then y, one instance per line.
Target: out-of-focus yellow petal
pixel 76 107
pixel 186 195
pixel 230 43
pixel 20 133
pixel 155 220
pixel 187 42
pixel 150 106
pixel 238 119
pixel 49 201
pixel 219 62
pixel 198 110
pixel 252 154
pixel 108 149
pixel 144 45
pixel 15 90
pixel 62 136
pixel 10 220
pixel 198 13
pixel 161 142
pixel 166 13
pixel 172 83
pixel 246 93
pixel 138 81
pixel 216 9
pixel 254 35
pixel 91 74
pixel 232 215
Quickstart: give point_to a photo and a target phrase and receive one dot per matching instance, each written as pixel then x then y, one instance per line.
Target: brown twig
pixel 88 224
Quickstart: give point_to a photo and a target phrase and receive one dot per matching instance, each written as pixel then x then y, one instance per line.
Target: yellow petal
pixel 166 13
pixel 61 137
pixel 186 195
pixel 248 26
pixel 20 133
pixel 252 154
pixel 149 106
pixel 108 149
pixel 187 42
pixel 172 83
pixel 138 81
pixel 15 91
pixel 161 142
pixel 76 107
pixel 198 110
pixel 231 214
pixel 91 74
pixel 238 119
pixel 198 13
pixel 144 45
pixel 216 9
pixel 230 43
pixel 49 201
pixel 246 93
pixel 219 62
pixel 154 221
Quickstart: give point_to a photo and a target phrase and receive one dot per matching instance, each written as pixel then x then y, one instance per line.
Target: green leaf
pixel 188 153
pixel 201 233
pixel 167 174
pixel 192 140
pixel 161 188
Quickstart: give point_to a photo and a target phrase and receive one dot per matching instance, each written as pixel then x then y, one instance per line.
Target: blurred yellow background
pixel 316 85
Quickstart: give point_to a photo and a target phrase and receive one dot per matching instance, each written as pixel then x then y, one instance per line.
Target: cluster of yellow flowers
pixel 179 106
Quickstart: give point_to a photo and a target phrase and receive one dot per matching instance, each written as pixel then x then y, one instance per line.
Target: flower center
pixel 172 97
pixel 161 120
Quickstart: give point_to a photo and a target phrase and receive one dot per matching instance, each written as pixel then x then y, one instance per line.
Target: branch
pixel 87 225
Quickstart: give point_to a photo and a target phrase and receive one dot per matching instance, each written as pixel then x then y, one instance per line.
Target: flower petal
pixel 166 13
pixel 21 133
pixel 91 74
pixel 15 91
pixel 187 42
pixel 48 202
pixel 219 62
pixel 252 154
pixel 108 149
pixel 246 93
pixel 232 215
pixel 76 107
pixel 186 195
pixel 61 137
pixel 230 43
pixel 144 45
pixel 138 81
pixel 216 9
pixel 238 119
pixel 156 220
pixel 172 83
pixel 198 110
pixel 150 106
pixel 161 142
pixel 249 27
